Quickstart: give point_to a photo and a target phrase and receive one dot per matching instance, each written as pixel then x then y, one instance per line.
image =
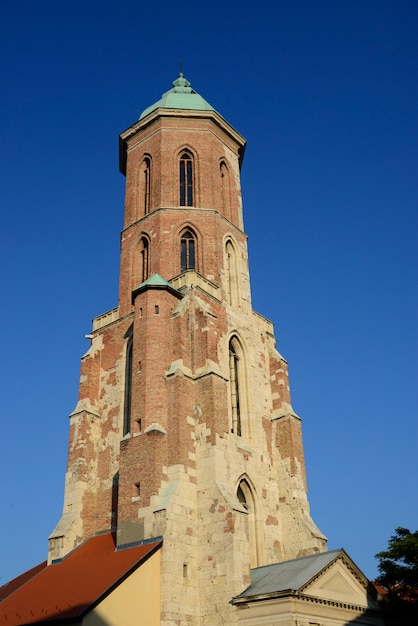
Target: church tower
pixel 184 427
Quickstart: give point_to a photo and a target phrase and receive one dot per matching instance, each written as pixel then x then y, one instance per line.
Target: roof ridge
pixel 300 558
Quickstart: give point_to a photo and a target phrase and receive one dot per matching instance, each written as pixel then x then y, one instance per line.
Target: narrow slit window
pixel 144 186
pixel 128 389
pixel 147 184
pixel 234 378
pixel 231 275
pixel 186 180
pixel 225 190
pixel 144 258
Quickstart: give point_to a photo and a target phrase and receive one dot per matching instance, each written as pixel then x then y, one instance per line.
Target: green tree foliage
pixel 398 567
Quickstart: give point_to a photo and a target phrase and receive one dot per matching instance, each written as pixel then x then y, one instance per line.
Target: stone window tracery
pixel 187 250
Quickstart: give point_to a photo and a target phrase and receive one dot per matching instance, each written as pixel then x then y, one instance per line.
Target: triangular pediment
pixel 341 583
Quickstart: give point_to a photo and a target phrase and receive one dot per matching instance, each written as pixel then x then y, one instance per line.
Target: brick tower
pixel 184 427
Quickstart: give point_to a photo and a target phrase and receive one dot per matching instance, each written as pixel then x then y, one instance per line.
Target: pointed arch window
pixel 145 185
pixel 246 497
pixel 187 251
pixel 225 190
pixel 231 274
pixel 128 388
pixel 186 179
pixel 241 496
pixel 235 385
pixel 144 258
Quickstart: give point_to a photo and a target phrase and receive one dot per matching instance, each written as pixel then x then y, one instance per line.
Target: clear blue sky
pixel 326 94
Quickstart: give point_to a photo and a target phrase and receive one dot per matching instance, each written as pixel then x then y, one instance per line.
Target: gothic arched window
pixel 186 179
pixel 245 495
pixel 187 251
pixel 235 384
pixel 144 258
pixel 231 274
pixel 145 185
pixel 128 388
pixel 225 190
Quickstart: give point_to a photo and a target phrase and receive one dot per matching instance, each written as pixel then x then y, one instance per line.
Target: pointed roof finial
pixel 182 85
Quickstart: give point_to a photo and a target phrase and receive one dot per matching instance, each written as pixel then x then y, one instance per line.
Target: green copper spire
pixel 181 96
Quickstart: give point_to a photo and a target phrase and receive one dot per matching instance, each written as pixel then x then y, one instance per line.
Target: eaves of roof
pixel 156 282
pixel 7 589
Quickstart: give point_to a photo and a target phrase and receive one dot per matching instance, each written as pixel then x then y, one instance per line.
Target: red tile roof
pixel 68 589
pixel 17 582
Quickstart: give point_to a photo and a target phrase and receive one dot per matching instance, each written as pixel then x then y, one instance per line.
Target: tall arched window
pixel 234 385
pixel 144 258
pixel 187 251
pixel 128 388
pixel 225 190
pixel 186 179
pixel 145 185
pixel 246 497
pixel 231 274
